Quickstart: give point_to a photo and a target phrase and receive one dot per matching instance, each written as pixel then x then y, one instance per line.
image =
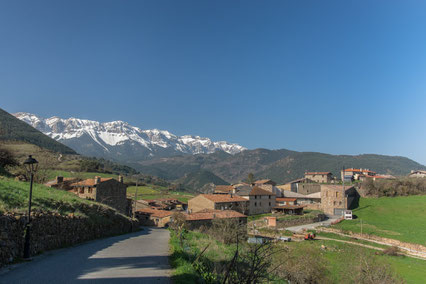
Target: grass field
pixel 338 258
pixel 154 192
pixel 401 218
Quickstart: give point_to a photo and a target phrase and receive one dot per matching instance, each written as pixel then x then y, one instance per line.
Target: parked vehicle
pixel 310 237
pixel 284 239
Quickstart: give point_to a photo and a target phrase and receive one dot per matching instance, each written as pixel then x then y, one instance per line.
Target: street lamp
pixel 31 166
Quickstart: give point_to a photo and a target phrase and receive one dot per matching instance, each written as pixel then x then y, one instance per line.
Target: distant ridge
pixel 13 129
pixel 280 165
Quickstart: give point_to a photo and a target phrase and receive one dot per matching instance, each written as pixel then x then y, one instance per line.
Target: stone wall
pixel 292 222
pixel 52 231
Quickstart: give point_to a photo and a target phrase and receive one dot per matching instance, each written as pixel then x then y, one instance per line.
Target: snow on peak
pixel 118 132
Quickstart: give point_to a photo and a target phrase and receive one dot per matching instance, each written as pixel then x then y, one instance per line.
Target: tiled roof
pixel 259 191
pixel 289 207
pixel 219 198
pixel 317 173
pixel 286 199
pixel 359 170
pixel 224 188
pixel 155 212
pixel 291 194
pixel 89 182
pixel 212 214
pixel 262 181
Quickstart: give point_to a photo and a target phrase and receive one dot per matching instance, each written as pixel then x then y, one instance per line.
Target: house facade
pixel 218 202
pixel 320 177
pixel 108 191
pixel 417 174
pixel 260 200
pixel 154 217
pixel 205 218
pixel 335 199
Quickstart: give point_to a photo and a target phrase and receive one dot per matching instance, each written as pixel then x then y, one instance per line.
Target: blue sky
pixel 340 77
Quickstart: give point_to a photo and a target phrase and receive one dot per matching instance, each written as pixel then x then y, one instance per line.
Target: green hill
pixel 196 180
pixel 279 165
pixel 13 129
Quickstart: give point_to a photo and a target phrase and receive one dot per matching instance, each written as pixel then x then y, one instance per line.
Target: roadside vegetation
pixel 202 257
pixel 400 218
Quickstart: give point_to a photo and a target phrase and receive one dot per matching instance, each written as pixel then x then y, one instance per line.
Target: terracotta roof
pixel 89 182
pixel 260 191
pixel 224 188
pixel 219 198
pixel 289 207
pixel 155 212
pixel 212 214
pixel 286 199
pixel 317 173
pixel 359 170
pixel 261 181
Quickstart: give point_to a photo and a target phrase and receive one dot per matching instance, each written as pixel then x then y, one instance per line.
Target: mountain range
pixel 120 141
pixel 193 161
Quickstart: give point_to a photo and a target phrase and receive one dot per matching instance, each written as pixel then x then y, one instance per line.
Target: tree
pixel 250 178
pixel 7 159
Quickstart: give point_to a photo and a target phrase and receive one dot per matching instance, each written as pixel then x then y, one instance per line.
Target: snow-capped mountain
pixel 121 141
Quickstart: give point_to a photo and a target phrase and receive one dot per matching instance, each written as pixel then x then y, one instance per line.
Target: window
pixel 337 194
pixel 334 203
pixel 269 203
pixel 255 204
pixel 82 190
pixel 269 197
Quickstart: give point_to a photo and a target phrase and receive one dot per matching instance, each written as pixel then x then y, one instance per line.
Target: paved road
pixel 313 225
pixel 140 257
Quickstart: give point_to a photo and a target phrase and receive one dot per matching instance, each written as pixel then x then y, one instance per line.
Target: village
pixel 330 197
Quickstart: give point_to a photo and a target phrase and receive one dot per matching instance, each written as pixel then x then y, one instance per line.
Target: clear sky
pixel 340 77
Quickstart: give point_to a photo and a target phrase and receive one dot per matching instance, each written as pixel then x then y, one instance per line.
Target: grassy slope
pixel 153 192
pixel 14 198
pixel 401 218
pixel 339 256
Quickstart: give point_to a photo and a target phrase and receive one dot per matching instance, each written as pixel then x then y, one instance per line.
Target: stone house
pixel 335 199
pixel 417 174
pixel 205 218
pixel 260 200
pixel 286 201
pixel 355 174
pixel 218 202
pixel 320 177
pixel 154 217
pixel 269 185
pixel 108 191
pixel 294 185
pixel 164 204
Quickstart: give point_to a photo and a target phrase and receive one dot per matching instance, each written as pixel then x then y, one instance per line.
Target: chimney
pixel 59 179
pixel 120 179
pixel 97 180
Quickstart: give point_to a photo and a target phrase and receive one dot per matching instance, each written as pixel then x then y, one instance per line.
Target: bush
pixel 395 187
pixel 393 251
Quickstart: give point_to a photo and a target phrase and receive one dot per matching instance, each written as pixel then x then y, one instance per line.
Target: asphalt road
pixel 140 257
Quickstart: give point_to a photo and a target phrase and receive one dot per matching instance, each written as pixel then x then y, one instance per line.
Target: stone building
pixel 320 177
pixel 206 217
pixel 355 174
pixel 335 199
pixel 218 202
pixel 154 217
pixel 260 200
pixel 108 191
pixel 61 183
pixel 417 174
pixel 294 185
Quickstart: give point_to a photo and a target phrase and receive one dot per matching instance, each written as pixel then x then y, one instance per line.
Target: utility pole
pixel 135 198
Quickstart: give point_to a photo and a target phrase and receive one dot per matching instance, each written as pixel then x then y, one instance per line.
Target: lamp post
pixel 31 166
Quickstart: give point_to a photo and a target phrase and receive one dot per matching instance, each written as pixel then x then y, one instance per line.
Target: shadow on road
pixel 99 261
